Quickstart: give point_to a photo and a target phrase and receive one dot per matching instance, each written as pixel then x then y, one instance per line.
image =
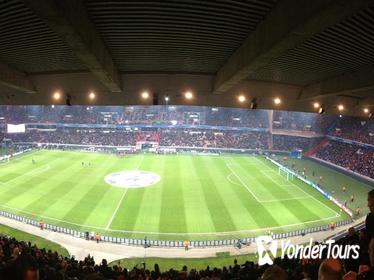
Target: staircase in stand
pixel 317 148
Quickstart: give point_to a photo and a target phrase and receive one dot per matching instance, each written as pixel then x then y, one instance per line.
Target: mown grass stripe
pixel 198 217
pixel 104 201
pixel 89 195
pixel 172 216
pixel 52 192
pixel 19 188
pixel 127 213
pixel 236 203
pixel 317 197
pixel 219 214
pixel 297 212
pixel 150 208
pixel 262 216
pixel 62 187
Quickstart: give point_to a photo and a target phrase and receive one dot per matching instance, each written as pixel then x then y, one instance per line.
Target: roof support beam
pixel 69 19
pixel 348 83
pixel 15 79
pixel 288 24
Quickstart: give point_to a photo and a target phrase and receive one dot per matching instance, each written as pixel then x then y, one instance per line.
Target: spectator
pixel 351 157
pixel 370 226
pixel 274 273
pixel 330 269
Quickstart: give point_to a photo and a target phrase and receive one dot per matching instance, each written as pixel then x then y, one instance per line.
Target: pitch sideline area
pixel 197 197
pixel 114 252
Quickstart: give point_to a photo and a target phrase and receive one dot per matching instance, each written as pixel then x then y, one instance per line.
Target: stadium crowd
pixel 361 130
pixel 202 138
pixel 178 115
pixel 174 137
pixel 23 261
pixel 352 157
pixel 141 115
pixel 289 143
pixel 302 121
pixel 215 139
pixel 226 132
pixel 73 136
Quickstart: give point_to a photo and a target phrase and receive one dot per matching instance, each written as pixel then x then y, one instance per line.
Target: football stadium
pixel 186 140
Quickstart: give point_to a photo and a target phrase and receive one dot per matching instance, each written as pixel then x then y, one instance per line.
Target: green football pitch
pixel 195 197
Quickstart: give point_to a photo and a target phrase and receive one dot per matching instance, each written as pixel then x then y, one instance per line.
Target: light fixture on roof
pixel 57 95
pixel 167 99
pixel 241 98
pixel 91 95
pixel 145 95
pixel 366 110
pixel 316 105
pixel 188 95
pixel 340 107
pixel 277 101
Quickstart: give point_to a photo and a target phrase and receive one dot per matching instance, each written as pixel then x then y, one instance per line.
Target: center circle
pixel 132 179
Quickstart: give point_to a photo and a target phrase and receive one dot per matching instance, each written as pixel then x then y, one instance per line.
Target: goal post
pixel 286 173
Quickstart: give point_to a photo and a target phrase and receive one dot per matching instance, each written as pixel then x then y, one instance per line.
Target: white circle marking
pixel 132 179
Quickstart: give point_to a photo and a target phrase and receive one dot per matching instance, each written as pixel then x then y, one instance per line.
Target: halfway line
pixel 120 201
pixel 115 211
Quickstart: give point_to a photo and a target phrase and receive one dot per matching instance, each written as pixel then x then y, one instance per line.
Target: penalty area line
pixel 301 189
pixel 241 181
pixel 228 177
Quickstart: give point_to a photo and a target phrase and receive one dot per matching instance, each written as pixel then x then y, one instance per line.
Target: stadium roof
pixel 301 51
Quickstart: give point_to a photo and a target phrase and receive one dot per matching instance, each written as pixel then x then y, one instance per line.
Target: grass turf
pixel 334 181
pixel 177 264
pixel 198 197
pixel 41 243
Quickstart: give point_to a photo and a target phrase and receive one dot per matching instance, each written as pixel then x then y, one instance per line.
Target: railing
pixel 166 243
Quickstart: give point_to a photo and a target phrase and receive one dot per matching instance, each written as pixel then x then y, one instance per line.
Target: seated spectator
pixel 351 157
pixel 274 273
pixel 330 269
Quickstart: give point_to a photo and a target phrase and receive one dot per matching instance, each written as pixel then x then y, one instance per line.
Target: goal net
pixel 285 173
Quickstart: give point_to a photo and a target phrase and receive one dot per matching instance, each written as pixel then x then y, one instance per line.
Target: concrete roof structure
pixel 300 51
